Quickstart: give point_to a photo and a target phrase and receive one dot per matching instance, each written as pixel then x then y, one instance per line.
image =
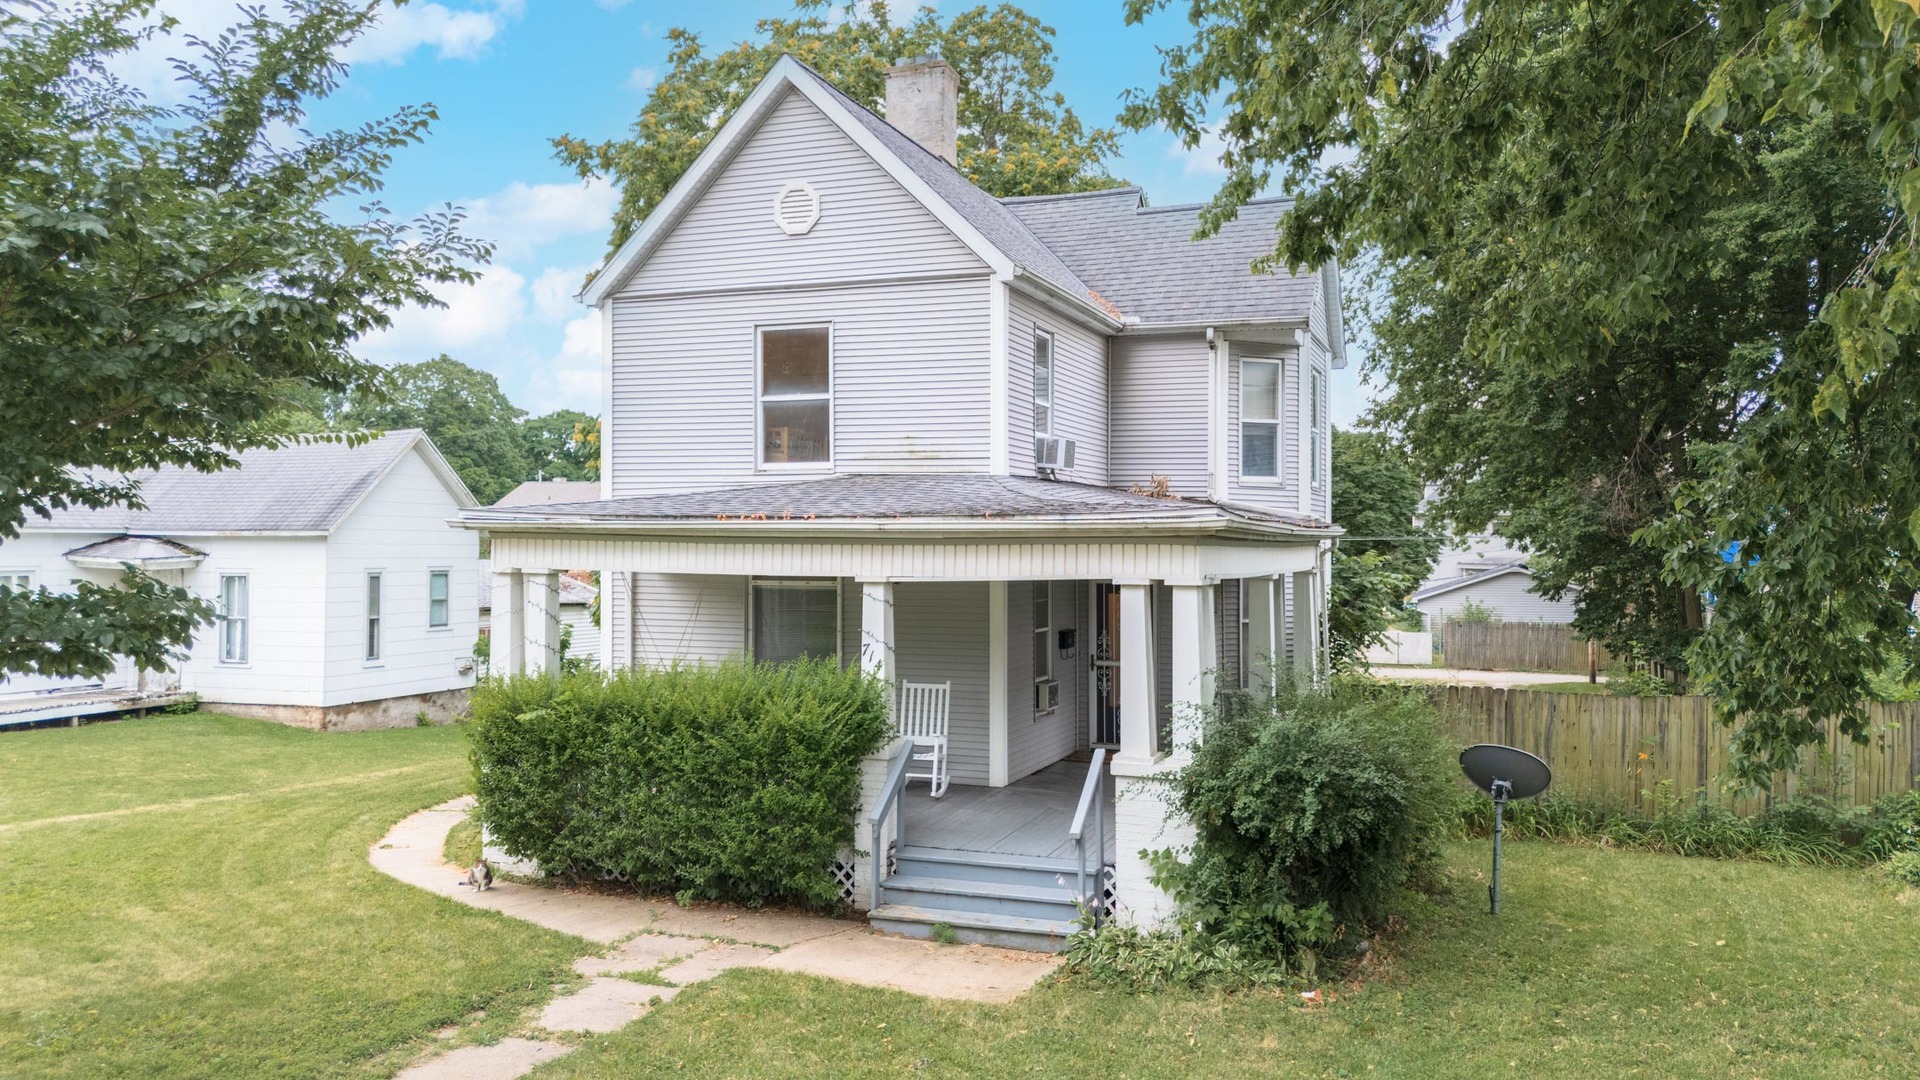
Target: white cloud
pixel 1202 159
pixel 554 291
pixel 522 216
pixel 643 78
pixel 481 312
pixel 572 378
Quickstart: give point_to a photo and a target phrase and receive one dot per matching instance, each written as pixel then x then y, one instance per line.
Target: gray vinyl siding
pixel 1319 499
pixel 910 379
pixel 1159 411
pixel 1507 595
pixel 1079 389
pixel 690 617
pixel 940 635
pixel 1036 741
pixel 614 611
pixel 1283 494
pixel 1227 634
pixel 869 226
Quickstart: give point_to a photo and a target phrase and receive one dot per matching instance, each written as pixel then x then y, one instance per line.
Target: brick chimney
pixel 923 96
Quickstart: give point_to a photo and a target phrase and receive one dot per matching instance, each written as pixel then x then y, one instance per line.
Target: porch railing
pixel 1092 794
pixel 890 792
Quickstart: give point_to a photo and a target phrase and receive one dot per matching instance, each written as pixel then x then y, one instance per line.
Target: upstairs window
pixel 792 619
pixel 1042 383
pixel 796 396
pixel 234 606
pixel 437 587
pixel 1260 419
pixel 1317 460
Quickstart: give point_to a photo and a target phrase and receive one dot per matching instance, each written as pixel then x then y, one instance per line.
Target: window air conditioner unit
pixel 1052 452
pixel 1046 696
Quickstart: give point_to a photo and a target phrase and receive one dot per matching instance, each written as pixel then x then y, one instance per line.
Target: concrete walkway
pixel 1468 677
pixel 676 947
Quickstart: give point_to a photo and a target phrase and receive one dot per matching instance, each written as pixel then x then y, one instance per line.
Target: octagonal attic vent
pixel 796 209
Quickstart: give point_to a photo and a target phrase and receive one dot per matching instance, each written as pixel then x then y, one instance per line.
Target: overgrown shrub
pixel 734 782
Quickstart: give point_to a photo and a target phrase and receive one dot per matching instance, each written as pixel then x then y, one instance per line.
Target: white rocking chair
pixel 922 719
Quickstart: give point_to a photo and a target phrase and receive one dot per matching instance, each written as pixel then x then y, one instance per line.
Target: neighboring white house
pixel 344 598
pixel 576 615
pixel 1505 591
pixel 1051 451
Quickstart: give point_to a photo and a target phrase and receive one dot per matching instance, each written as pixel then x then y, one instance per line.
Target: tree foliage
pixel 562 445
pixel 1376 499
pixel 1017 135
pixel 1603 201
pixel 471 421
pixel 169 277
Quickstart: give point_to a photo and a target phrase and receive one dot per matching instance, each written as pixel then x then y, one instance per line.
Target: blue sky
pixel 508 75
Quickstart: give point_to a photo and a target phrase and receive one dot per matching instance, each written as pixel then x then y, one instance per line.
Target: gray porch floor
pixel 1030 816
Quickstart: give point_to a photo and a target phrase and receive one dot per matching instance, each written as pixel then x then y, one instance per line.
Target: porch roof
pixel 864 503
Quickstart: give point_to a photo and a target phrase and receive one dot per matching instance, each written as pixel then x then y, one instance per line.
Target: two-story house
pixel 1051 451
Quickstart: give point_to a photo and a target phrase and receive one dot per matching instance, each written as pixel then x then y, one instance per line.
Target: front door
pixel 1106 665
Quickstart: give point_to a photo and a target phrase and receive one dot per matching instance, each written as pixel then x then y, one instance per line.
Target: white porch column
pixel 509 645
pixel 543 616
pixel 1276 609
pixel 1192 633
pixel 876 632
pixel 1137 706
pixel 998 738
pixel 1306 627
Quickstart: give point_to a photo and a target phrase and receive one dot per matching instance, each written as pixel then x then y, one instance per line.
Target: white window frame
pixel 17 580
pixel 1278 423
pixel 1317 411
pixel 839 608
pixel 376 609
pixel 245 619
pixel 1053 377
pixel 1043 635
pixel 446 622
pixel 761 398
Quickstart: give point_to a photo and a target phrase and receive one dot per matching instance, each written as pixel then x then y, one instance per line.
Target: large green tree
pixel 1387 551
pixel 562 445
pixel 466 414
pixel 1017 135
pixel 1555 169
pixel 170 277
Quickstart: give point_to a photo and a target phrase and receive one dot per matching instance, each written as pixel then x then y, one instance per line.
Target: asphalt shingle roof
pixel 303 487
pixel 1145 260
pixel 892 497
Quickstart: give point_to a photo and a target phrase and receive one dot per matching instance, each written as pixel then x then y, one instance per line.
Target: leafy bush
pixel 1312 811
pixel 1904 869
pixel 736 782
pixel 1161 959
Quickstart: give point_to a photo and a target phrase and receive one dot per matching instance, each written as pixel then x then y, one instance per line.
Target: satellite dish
pixel 1490 763
pixel 1504 773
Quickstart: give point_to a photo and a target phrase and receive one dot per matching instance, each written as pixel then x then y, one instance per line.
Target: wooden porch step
pixel 1033 870
pixel 1048 902
pixel 974 927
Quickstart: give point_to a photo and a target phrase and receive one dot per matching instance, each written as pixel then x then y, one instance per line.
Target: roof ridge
pixel 1126 189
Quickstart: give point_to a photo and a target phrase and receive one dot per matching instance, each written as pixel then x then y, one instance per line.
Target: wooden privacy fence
pixel 1615 750
pixel 1517 646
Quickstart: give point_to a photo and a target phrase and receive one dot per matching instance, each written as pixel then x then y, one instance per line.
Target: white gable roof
pixel 991 231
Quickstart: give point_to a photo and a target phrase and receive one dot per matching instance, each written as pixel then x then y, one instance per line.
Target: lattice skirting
pixel 843 873
pixel 1107 897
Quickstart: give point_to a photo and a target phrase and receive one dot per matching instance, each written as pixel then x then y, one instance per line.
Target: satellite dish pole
pixel 1504 773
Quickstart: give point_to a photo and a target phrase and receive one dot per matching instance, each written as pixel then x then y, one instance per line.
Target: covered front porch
pixel 1070 623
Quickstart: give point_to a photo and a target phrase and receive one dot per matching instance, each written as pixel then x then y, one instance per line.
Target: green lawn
pixel 219 918
pixel 1604 963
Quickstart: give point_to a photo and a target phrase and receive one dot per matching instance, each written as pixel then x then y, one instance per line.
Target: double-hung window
pixel 1042 383
pixel 373 616
pixel 1316 447
pixel 792 619
pixel 17 580
pixel 796 396
pixel 1042 631
pixel 235 607
pixel 437 588
pixel 1260 419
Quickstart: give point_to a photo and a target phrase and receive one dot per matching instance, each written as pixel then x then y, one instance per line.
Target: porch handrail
pixel 1092 794
pixel 890 790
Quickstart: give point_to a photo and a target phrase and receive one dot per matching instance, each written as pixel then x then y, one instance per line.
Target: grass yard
pixel 190 896
pixel 1604 963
